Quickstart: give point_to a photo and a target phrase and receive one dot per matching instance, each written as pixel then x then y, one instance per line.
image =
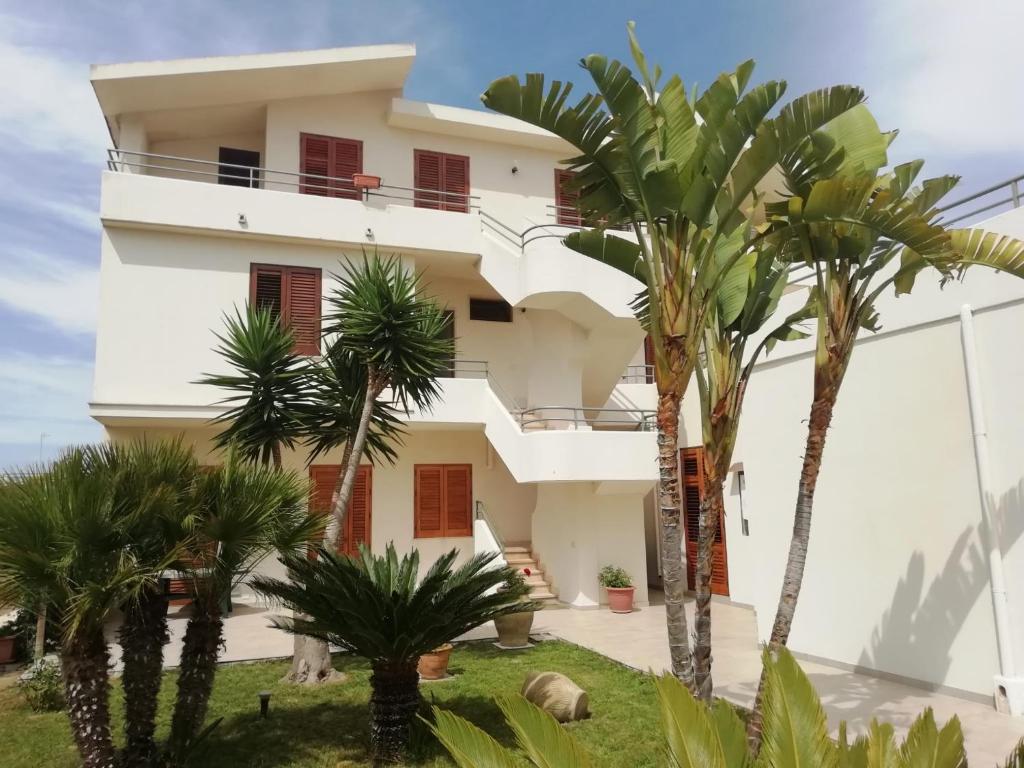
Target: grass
pixel 327 726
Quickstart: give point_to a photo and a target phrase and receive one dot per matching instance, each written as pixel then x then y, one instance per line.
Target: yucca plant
pixel 269 383
pixel 243 512
pixel 678 172
pixel 696 735
pixel 374 607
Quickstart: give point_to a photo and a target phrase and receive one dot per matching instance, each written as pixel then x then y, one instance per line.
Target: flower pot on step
pixel 434 665
pixel 620 599
pixel 514 629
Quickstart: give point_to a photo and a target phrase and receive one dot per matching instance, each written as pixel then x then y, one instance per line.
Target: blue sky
pixel 946 72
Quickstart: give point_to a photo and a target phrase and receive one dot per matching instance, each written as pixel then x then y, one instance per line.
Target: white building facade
pixel 237 178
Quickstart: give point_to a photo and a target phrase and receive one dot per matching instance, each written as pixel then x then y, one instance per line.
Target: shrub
pixel 514 585
pixel 42 687
pixel 614 577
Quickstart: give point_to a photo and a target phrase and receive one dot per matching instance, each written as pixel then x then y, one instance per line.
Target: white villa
pixel 248 178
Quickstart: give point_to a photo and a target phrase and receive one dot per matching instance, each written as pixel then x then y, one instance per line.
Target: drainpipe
pixel 1009 690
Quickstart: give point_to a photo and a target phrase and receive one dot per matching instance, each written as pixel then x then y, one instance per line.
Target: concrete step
pixel 521 561
pixel 542 593
pixel 535 579
pixel 517 550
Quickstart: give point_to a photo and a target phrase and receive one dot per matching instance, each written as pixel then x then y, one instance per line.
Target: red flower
pixel 526 571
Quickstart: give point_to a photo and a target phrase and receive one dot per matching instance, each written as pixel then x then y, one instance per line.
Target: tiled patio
pixel 638 640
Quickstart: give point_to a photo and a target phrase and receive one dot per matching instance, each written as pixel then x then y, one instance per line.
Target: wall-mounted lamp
pixel 740 480
pixel 369 234
pixel 242 221
pixel 515 168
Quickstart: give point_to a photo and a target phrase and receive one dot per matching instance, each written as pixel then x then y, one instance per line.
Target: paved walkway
pixel 638 640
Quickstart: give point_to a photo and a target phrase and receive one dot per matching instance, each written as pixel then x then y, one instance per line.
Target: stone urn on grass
pixel 620 588
pixel 514 628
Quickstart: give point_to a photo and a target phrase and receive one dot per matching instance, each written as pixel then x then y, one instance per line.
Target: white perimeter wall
pixel 896 579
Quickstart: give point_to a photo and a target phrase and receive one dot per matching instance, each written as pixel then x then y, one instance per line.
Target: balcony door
pixel 441 181
pixel 327 164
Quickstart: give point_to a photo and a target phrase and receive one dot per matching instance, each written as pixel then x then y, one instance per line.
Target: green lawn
pixel 327 726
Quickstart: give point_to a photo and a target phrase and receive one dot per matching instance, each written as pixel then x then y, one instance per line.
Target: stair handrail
pixel 480 513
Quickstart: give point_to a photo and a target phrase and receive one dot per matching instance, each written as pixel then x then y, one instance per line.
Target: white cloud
pixel 45 395
pixel 947 73
pixel 46 102
pixel 62 293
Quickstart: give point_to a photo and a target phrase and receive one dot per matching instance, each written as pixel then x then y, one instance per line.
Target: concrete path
pixel 639 641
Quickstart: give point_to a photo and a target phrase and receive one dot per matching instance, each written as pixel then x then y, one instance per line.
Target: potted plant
pixel 514 628
pixel 619 586
pixel 434 665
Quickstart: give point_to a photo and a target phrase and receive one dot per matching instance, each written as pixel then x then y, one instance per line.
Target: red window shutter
pixel 692 481
pixel 315 158
pixel 266 288
pixel 304 309
pixel 358 519
pixel 427 501
pixel 427 177
pixel 566 200
pixel 458 500
pixel 456 183
pixel 346 162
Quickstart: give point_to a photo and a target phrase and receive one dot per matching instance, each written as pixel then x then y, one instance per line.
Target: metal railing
pixel 1011 188
pixel 480 513
pixel 212 171
pixel 564 416
pixel 638 374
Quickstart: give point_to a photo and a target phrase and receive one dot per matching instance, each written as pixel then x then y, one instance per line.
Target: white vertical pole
pixel 997 576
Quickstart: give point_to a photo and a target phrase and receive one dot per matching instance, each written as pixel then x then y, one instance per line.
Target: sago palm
pixel 861 233
pixel 679 172
pixel 746 304
pixel 243 512
pixel 269 385
pixel 374 607
pixel 62 542
pixel 695 734
pixel 393 337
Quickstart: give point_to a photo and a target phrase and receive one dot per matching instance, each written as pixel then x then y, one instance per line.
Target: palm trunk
pixel 142 637
pixel 84 662
pixel 333 538
pixel 711 509
pixel 821 417
pixel 39 643
pixel 393 705
pixel 203 638
pixel 672 561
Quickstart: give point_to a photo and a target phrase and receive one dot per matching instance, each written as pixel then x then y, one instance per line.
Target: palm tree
pixel 270 386
pixel 373 607
pixel 861 233
pixel 243 513
pixel 62 543
pixel 697 734
pixel 749 297
pixel 385 334
pixel 679 173
pixel 152 482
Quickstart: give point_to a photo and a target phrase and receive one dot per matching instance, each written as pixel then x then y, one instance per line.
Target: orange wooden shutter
pixel 566 201
pixel 359 517
pixel 427 177
pixel 315 158
pixel 649 359
pixel 456 183
pixel 458 500
pixel 266 288
pixel 427 501
pixel 304 309
pixel 692 480
pixel 346 162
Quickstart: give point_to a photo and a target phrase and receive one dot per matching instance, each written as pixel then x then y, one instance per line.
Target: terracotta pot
pixel 620 599
pixel 514 629
pixel 434 665
pixel 7 649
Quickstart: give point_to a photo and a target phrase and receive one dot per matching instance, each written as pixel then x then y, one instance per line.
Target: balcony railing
pixel 211 171
pixel 1005 193
pixel 638 374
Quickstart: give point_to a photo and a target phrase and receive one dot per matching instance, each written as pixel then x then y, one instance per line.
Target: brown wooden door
pixel 359 519
pixel 691 476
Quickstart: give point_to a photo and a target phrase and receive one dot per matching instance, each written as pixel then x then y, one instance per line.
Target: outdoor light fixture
pixel 264 704
pixel 515 169
pixel 242 221
pixel 369 234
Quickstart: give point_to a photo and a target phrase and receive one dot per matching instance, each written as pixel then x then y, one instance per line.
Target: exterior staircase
pixel 520 558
